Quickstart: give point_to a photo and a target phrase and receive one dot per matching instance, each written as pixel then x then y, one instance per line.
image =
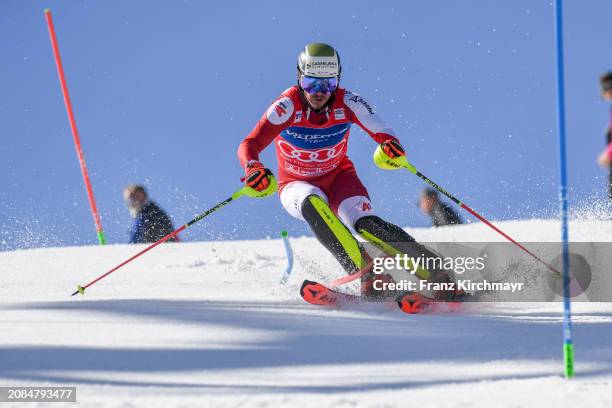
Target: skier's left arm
pixel 363 114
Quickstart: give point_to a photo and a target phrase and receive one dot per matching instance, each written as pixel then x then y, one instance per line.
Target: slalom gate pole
pixel 289 252
pixel 73 127
pixel 404 163
pixel 237 194
pixel 568 345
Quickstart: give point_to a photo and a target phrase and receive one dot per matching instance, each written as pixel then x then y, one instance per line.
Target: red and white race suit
pixel 311 147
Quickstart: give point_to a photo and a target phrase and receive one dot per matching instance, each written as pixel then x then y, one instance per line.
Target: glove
pixel 256 176
pixel 392 148
pixel 390 155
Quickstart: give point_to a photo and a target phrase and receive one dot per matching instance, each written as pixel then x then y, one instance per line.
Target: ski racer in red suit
pixel 309 125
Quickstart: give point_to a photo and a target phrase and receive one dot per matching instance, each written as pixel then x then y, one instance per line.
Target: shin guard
pixel 393 240
pixel 333 234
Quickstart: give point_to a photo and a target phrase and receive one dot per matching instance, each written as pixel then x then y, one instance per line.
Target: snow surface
pixel 208 324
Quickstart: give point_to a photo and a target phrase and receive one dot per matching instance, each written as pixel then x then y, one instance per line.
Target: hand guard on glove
pixel 390 155
pixel 256 175
pixel 392 148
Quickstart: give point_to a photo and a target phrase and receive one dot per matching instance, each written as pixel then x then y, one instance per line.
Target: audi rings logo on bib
pixel 322 155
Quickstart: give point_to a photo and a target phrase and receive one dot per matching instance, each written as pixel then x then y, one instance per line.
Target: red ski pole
pixel 81 289
pixel 381 157
pixel 73 127
pixel 247 191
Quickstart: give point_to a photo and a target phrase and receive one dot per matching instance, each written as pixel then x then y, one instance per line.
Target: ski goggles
pixel 313 85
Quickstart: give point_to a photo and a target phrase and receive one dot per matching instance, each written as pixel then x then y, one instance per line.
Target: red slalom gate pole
pixel 73 127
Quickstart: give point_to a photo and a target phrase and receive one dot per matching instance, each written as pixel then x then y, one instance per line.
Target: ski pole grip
pixel 251 192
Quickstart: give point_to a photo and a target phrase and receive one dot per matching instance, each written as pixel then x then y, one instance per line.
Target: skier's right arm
pixel 260 137
pixel 276 118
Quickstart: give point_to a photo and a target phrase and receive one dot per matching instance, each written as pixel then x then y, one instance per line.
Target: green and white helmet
pixel 319 60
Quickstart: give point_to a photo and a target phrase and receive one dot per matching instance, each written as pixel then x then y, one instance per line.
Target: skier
pixel 309 124
pixel 605 158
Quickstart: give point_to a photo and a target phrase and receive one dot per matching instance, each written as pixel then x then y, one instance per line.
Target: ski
pixel 319 294
pixel 316 293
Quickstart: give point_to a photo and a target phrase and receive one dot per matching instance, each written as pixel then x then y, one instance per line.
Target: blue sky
pixel 164 91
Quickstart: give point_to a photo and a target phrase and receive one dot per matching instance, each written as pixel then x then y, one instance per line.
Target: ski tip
pixel 47 11
pixel 309 282
pixel 284 234
pixel 413 303
pixel 303 288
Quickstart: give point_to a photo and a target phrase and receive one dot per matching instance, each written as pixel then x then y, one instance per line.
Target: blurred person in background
pixel 605 157
pixel 151 223
pixel 440 213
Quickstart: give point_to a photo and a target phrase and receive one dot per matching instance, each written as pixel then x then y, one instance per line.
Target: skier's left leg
pixel 356 211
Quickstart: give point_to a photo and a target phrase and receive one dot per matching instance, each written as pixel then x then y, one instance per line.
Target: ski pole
pixel 403 162
pixel 73 127
pixel 237 194
pixel 349 278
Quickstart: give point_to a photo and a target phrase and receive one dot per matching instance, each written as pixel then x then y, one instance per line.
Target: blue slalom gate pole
pixel 289 252
pixel 568 345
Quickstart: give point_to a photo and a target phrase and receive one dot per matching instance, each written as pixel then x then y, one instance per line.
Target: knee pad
pixel 294 194
pixel 353 208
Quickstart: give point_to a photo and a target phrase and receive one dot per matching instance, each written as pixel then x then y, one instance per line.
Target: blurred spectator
pixel 440 213
pixel 151 223
pixel 605 158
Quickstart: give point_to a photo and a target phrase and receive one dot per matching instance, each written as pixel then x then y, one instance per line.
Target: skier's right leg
pixel 309 203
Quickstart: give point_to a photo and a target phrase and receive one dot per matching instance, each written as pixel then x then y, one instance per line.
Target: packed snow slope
pixel 208 324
